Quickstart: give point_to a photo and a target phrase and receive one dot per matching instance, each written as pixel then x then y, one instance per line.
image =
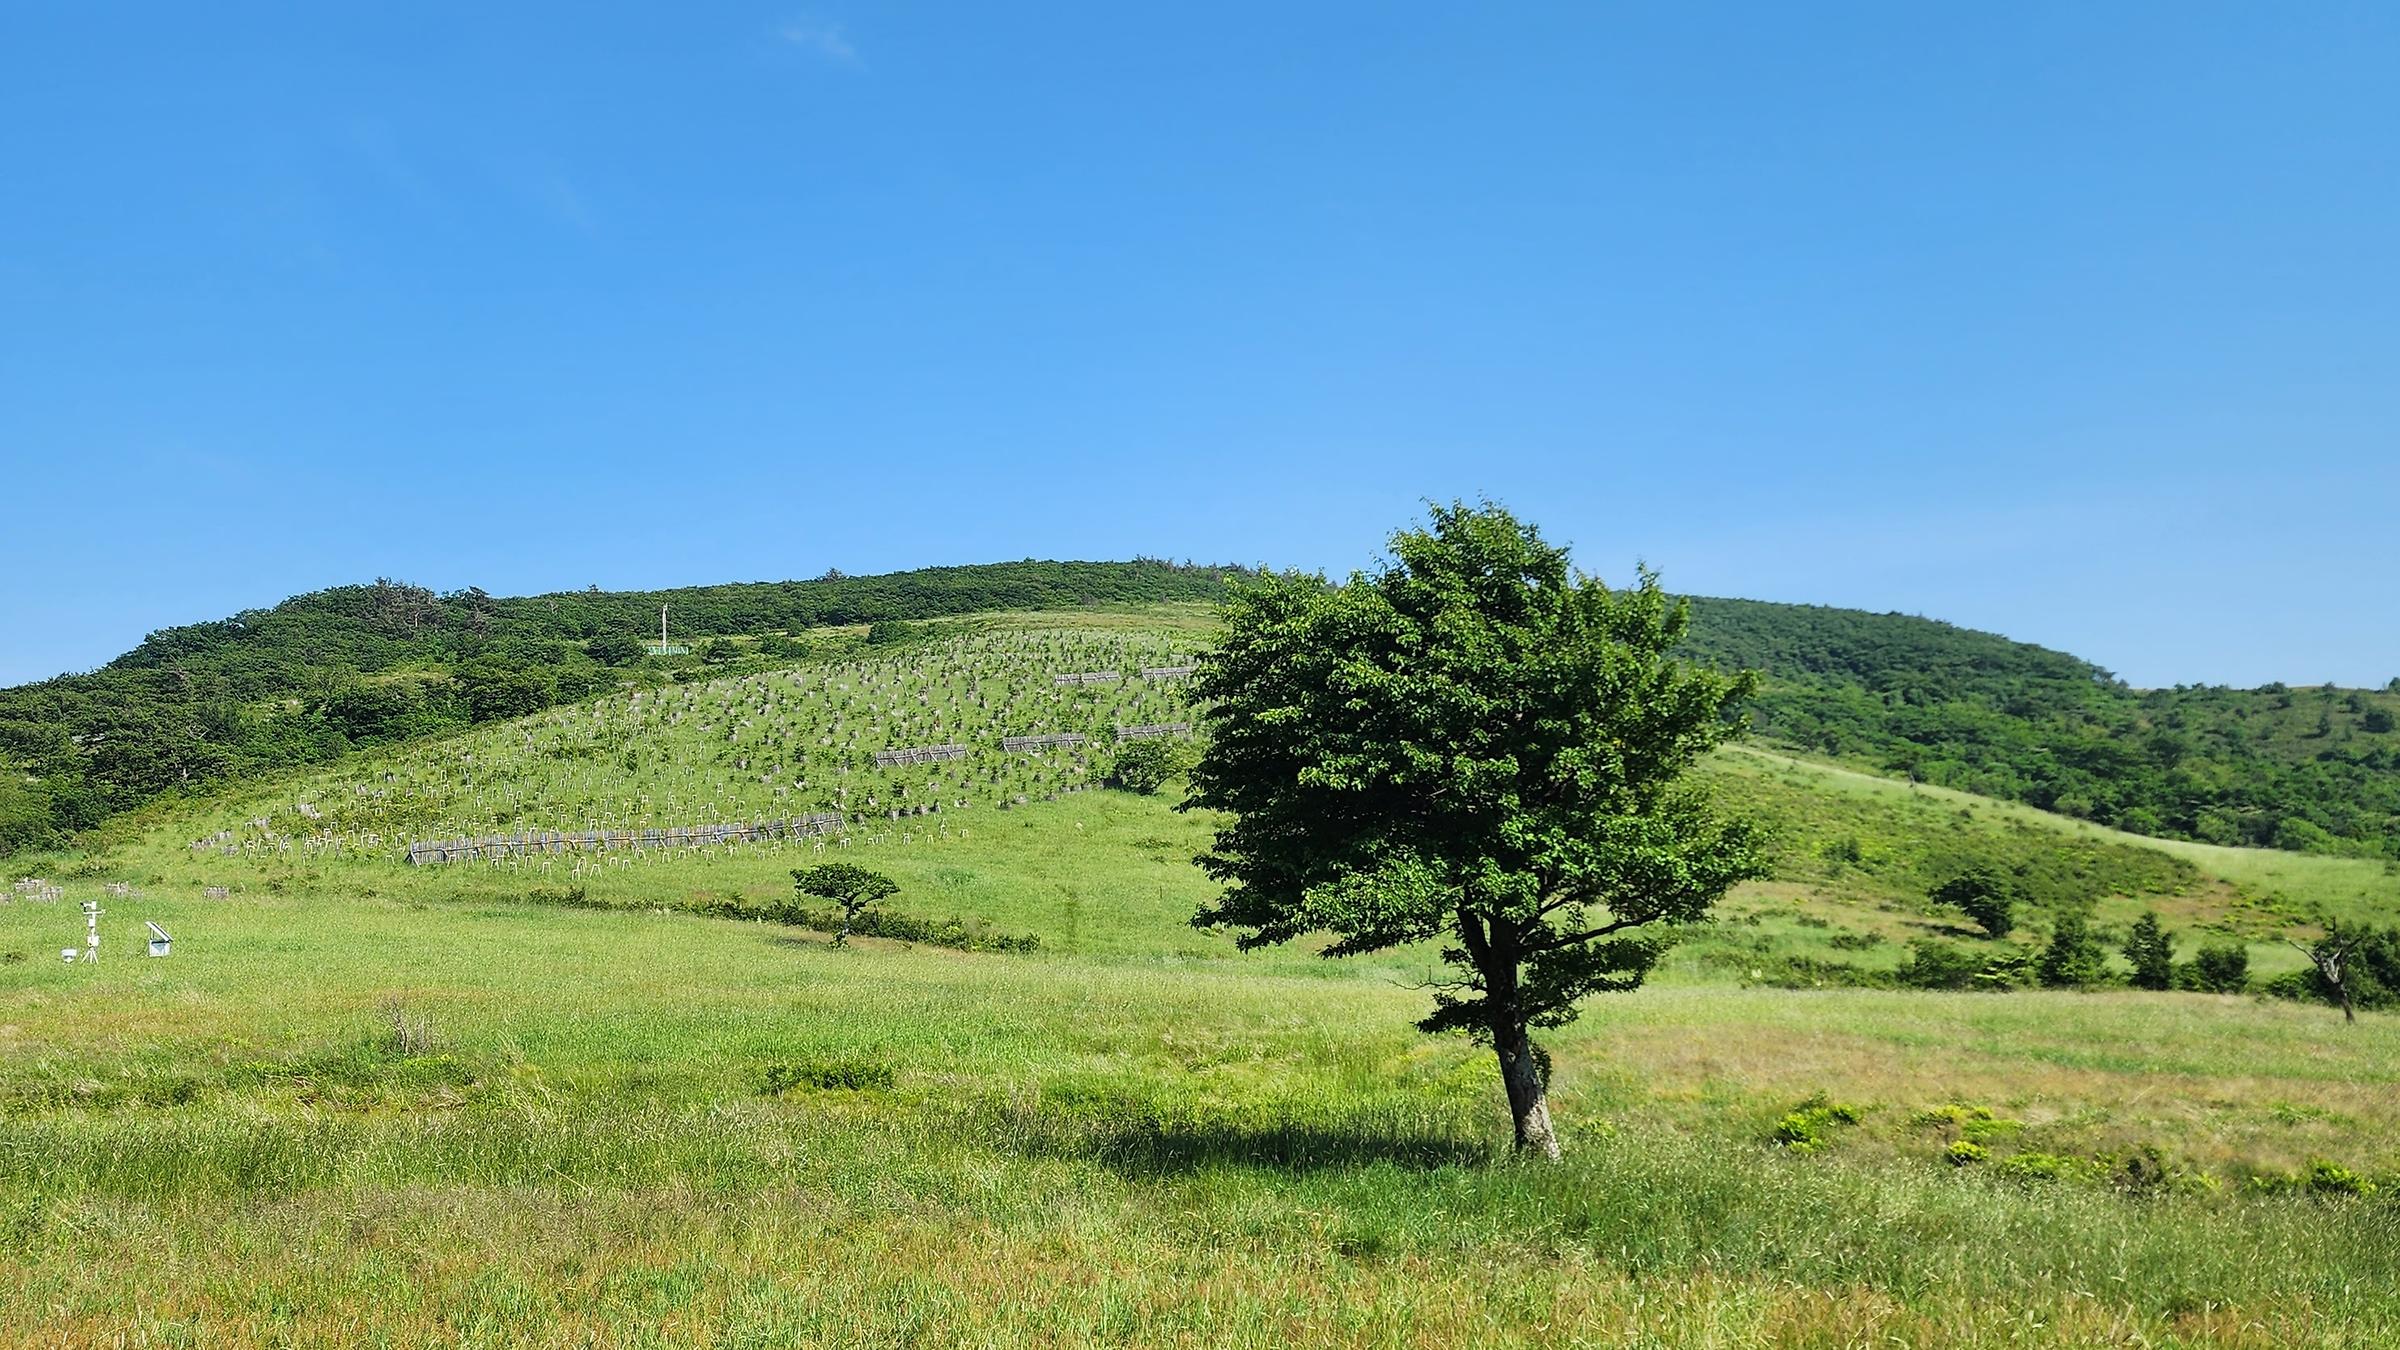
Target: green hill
pixel 782 739
pixel 323 674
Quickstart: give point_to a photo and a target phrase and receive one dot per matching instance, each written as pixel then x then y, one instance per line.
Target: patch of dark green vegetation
pixel 829 1074
pixel 969 935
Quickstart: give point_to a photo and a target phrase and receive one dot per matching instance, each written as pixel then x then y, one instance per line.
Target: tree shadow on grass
pixel 1149 1147
pixel 1946 928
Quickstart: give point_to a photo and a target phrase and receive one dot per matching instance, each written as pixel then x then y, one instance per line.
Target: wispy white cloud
pixel 554 192
pixel 822 39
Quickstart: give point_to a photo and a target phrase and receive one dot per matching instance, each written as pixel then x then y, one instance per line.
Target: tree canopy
pixel 1474 744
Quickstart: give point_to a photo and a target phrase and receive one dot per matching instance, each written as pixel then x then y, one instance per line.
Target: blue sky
pixel 2075 322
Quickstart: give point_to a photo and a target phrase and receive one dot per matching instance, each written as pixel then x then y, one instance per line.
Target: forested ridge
pixel 2314 768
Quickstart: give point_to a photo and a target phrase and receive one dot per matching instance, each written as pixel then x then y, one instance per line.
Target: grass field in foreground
pixel 438 1114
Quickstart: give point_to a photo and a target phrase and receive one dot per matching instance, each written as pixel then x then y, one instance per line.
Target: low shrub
pixel 1935 964
pixel 2148 1170
pixel 1143 767
pixel 1778 970
pixel 2036 1167
pixel 2322 1178
pixel 1807 1126
pixel 2217 970
pixel 1950 1115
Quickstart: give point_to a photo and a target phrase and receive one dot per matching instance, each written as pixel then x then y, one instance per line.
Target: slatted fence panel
pixel 921 754
pixel 1025 743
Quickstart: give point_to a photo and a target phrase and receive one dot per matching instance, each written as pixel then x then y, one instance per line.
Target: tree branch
pixel 1570 939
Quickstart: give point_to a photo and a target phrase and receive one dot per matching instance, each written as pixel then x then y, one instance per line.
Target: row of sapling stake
pixel 1479 744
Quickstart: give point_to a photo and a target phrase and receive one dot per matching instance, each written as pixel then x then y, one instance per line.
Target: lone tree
pixel 1478 744
pixel 1984 896
pixel 855 889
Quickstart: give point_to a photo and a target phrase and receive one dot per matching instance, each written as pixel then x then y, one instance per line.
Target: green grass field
pixel 367 1104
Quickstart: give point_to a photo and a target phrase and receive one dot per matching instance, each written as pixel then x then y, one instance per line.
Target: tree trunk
pixel 1528 1096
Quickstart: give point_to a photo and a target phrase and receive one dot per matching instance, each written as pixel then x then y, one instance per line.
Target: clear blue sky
pixel 2078 322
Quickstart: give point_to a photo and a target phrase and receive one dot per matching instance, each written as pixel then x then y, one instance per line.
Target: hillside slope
pixel 322 674
pixel 812 739
pixel 327 672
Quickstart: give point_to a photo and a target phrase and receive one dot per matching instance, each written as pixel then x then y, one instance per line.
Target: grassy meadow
pixel 367 1104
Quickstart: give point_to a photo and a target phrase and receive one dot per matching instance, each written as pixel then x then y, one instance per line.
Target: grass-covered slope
pixel 371 1103
pixel 1858 853
pixel 2299 769
pixel 327 672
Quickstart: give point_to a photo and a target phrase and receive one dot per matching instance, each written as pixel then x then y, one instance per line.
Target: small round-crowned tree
pixel 853 888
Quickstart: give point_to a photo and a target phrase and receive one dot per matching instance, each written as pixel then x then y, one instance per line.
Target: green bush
pixel 1934 964
pixel 2325 1178
pixel 2073 960
pixel 1782 970
pixel 1984 896
pixel 2151 952
pixel 2148 1170
pixel 1806 1127
pixel 1143 766
pixel 2217 970
pixel 1951 1115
